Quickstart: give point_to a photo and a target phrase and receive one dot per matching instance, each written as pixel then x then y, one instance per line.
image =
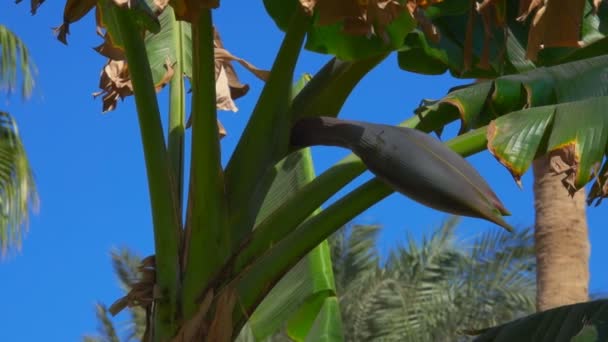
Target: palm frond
pixel 430 290
pixel 354 253
pixel 14 61
pixel 126 265
pixel 106 329
pixel 18 194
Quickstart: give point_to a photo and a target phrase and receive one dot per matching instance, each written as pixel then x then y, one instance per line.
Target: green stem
pixel 177 114
pixel 265 139
pixel 207 244
pixel 163 201
pixel 258 278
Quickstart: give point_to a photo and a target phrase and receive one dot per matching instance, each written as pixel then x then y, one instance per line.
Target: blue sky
pixel 90 171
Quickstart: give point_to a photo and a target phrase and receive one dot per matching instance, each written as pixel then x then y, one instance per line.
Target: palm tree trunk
pixel 561 240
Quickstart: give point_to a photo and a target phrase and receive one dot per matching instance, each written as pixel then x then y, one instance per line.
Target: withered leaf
pixel 73 11
pixel 556 23
pixel 109 50
pixel 115 82
pixel 34 4
pixel 596 5
pixel 221 326
pixel 564 20
pixel 425 24
pixel 142 291
pixel 362 18
pixel 526 7
pixel 197 327
pixel 188 9
pixel 565 161
pixel 308 6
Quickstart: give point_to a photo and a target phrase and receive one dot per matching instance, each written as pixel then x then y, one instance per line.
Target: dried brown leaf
pixel 480 6
pixel 426 3
pixel 197 327
pixel 308 6
pixel 161 4
pixel 425 24
pixel 188 10
pixel 73 11
pixel 596 5
pixel 221 326
pixel 526 7
pixel 565 161
pixel 468 39
pixel 486 19
pixel 227 85
pixel 368 17
pixel 143 292
pixel 115 82
pixel 109 50
pixel 34 4
pixel 536 33
pixel 333 11
pixel 564 20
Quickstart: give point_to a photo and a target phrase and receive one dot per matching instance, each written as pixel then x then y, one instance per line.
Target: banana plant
pixel 240 235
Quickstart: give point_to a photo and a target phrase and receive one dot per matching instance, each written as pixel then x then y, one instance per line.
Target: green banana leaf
pixel 331 39
pixel 297 299
pixel 558 110
pixel 582 322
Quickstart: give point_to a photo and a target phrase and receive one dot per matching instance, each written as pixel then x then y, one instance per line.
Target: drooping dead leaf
pixel 487 21
pixel 161 4
pixel 468 39
pixel 556 23
pixel 424 23
pixel 109 50
pixel 73 11
pixel 115 82
pixel 596 5
pixel 223 60
pixel 142 291
pixel 197 327
pixel 526 7
pixel 227 85
pixel 480 6
pixel 564 19
pixel 565 161
pixel 188 10
pixel 308 6
pixel 221 326
pixel 359 17
pixel 425 3
pixel 34 4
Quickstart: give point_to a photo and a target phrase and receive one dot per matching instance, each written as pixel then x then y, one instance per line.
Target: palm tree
pixel 427 291
pixel 17 188
pixel 432 290
pixel 563 268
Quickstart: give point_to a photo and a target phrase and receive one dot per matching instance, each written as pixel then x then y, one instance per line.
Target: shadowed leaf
pixel 577 322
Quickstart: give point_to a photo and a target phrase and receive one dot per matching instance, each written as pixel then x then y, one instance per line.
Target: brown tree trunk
pixel 561 240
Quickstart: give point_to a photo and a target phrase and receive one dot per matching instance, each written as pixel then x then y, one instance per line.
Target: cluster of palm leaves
pixel 437 289
pixel 17 188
